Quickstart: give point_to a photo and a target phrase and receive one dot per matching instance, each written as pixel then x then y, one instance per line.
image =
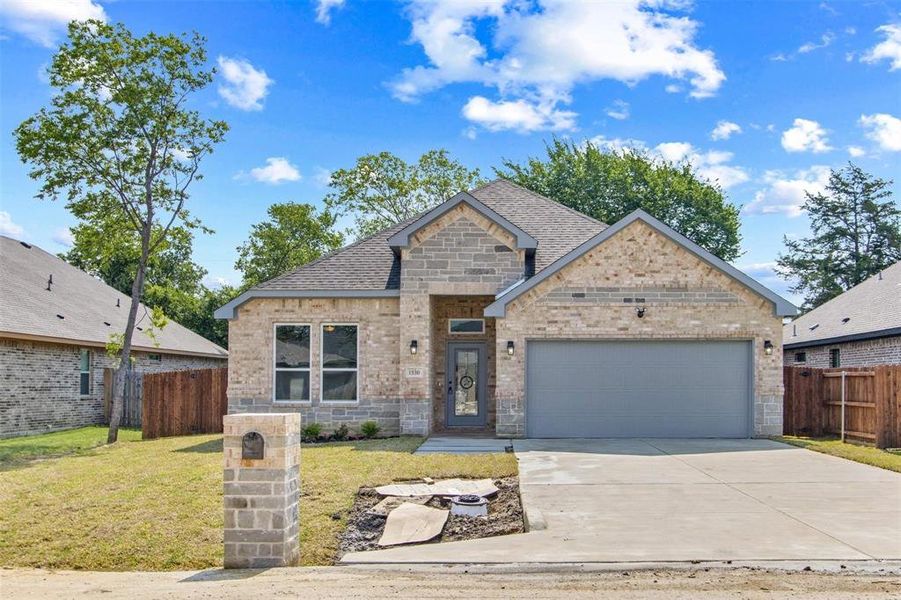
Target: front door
pixel 467 384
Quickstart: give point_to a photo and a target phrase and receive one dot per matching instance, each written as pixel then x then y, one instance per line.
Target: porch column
pixel 415 369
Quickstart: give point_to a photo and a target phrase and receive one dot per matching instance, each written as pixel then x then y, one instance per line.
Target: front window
pixel 800 357
pixel 472 326
pixel 84 383
pixel 339 363
pixel 835 358
pixel 292 363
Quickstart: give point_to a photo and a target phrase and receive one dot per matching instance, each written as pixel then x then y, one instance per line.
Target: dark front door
pixel 467 384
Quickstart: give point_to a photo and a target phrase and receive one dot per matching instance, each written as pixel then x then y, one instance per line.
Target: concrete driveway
pixel 684 500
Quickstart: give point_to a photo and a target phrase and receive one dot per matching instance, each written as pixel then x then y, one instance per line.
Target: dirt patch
pixel 504 517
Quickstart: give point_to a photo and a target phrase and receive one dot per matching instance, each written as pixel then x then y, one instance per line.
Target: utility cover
pixel 411 523
pixel 443 487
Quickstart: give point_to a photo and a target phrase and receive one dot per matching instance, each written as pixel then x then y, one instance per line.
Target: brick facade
pixel 865 353
pixel 635 261
pixel 594 297
pixel 40 384
pixel 250 374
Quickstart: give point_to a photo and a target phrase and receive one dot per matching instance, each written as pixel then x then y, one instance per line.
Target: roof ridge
pixel 546 199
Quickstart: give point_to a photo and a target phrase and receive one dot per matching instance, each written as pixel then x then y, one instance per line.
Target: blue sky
pixel 765 97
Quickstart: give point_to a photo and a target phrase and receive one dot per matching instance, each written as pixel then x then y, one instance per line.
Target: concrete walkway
pixel 462 445
pixel 682 500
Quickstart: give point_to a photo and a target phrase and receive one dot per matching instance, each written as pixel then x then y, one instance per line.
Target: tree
pixel 856 230
pixel 294 235
pixel 118 138
pixel 383 189
pixel 610 185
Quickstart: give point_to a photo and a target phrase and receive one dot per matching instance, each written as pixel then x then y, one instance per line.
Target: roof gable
pixel 498 308
pixel 401 239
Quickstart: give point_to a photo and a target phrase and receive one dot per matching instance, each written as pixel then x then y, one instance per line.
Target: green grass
pixel 16 452
pixel 157 504
pixel 867 455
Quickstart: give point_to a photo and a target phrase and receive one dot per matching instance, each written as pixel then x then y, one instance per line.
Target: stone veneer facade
pixel 40 384
pixel 455 265
pixel 865 353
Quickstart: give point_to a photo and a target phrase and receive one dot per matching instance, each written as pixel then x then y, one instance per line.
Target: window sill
pixel 339 402
pixel 293 402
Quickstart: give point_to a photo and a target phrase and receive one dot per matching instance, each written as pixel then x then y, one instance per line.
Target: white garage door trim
pixel 745 346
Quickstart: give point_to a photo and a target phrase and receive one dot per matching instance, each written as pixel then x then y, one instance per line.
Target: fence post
pixel 261 489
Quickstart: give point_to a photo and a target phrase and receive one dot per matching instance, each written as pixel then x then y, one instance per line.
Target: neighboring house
pixel 858 328
pixel 504 312
pixel 55 321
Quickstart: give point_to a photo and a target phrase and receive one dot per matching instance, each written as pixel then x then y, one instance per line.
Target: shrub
pixel 310 432
pixel 341 432
pixel 370 429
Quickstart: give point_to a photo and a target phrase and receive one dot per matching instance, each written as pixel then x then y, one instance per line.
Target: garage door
pixel 637 389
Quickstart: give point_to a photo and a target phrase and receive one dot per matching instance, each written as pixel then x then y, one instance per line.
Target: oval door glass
pixel 466 378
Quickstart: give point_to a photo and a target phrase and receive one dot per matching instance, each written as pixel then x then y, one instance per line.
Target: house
pixel 55 321
pixel 504 312
pixel 858 328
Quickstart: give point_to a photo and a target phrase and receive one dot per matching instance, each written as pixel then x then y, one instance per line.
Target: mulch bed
pixel 504 517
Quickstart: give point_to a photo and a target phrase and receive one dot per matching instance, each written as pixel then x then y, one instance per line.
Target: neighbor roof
pixel 868 310
pixel 498 308
pixel 78 308
pixel 370 268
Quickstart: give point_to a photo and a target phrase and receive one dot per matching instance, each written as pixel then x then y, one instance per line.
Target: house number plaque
pixel 252 446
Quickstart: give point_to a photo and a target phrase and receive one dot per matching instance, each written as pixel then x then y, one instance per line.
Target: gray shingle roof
pixel 871 306
pixel 87 305
pixel 370 264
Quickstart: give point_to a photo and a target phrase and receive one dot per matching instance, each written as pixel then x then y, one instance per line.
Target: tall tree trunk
pixel 137 290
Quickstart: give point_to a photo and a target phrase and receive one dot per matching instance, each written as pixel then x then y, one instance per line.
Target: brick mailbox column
pixel 262 489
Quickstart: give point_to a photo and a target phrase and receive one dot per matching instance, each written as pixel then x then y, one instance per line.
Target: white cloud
pixel 245 86
pixel 711 165
pixel 805 136
pixel 470 133
pixel 63 236
pixel 619 110
pixel 324 10
pixel 43 21
pixel 724 130
pixel 617 144
pixel 888 49
pixel 322 177
pixel 856 151
pixel 517 115
pixel 884 129
pixel 785 193
pixel 530 65
pixel 9 227
pixel 277 170
pixel 825 40
pixel 215 283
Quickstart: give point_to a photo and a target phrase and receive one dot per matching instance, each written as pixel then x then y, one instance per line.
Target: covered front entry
pixel 467 384
pixel 616 389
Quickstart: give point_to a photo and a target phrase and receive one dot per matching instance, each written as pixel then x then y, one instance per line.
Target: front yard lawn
pixel 15 452
pixel 157 504
pixel 858 453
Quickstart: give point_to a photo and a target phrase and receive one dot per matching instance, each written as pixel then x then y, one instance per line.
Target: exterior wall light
pixel 414 346
pixel 640 311
pixel 768 347
pixel 510 348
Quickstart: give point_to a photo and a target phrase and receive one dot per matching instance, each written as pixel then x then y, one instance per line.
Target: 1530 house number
pixel 413 372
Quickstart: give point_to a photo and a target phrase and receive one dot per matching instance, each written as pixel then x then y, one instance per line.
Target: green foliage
pixel 610 185
pixel 293 236
pixel 856 233
pixel 383 189
pixel 311 432
pixel 341 432
pixel 370 429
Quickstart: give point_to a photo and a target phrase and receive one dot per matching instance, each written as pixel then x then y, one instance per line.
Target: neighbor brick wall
pixel 642 263
pixel 866 353
pixel 250 374
pixel 40 384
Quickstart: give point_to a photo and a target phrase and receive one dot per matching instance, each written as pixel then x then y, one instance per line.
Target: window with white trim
pixel 84 372
pixel 292 363
pixel 339 363
pixel 470 326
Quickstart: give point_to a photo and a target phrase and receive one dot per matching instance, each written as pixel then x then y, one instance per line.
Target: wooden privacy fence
pixel 867 400
pixel 184 402
pixel 134 386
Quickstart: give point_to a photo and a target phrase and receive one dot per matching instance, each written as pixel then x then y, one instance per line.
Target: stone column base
pixel 416 417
